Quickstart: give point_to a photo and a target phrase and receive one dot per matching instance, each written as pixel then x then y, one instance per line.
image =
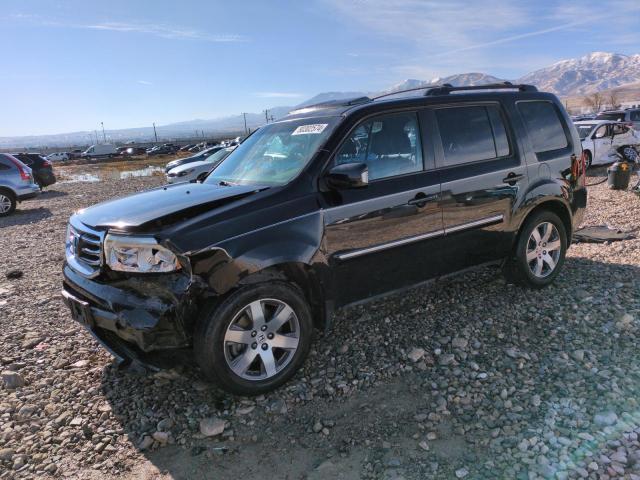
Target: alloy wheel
pixel 262 339
pixel 5 203
pixel 543 249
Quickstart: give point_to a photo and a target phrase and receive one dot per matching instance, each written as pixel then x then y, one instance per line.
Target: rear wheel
pixel 587 159
pixel 539 252
pixel 7 203
pixel 256 339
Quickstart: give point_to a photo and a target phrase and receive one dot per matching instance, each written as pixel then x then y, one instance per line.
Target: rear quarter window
pixel 544 126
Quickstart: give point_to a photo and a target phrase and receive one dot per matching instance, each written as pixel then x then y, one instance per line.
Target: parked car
pixel 197 171
pixel 198 157
pixel 58 157
pixel 166 149
pixel 16 183
pixel 41 168
pixel 628 115
pixel 77 153
pixel 332 205
pixel 134 151
pixel 187 147
pixel 102 150
pixel 601 138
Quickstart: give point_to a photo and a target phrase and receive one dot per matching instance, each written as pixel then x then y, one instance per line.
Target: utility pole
pixel 155 134
pixel 266 116
pixel 104 136
pixel 244 114
pixel 96 133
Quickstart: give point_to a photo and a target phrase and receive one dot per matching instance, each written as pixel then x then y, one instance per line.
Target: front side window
pixel 275 154
pixel 601 132
pixel 544 125
pixel 584 130
pixel 472 133
pixel 388 144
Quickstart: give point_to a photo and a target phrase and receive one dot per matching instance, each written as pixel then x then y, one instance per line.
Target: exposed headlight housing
pixel 186 172
pixel 124 253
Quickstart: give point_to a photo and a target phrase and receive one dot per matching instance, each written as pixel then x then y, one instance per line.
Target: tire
pixel 587 159
pixel 7 203
pixel 544 263
pixel 238 366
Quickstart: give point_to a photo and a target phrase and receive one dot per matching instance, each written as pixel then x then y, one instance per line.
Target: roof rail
pixel 389 94
pixel 336 103
pixel 447 88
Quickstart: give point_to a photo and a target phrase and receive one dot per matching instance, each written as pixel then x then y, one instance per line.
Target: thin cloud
pixel 172 32
pixel 165 31
pixel 278 94
pixel 144 82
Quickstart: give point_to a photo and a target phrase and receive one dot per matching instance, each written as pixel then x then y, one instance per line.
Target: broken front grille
pixel 84 249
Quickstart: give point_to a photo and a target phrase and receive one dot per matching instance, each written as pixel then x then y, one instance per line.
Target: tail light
pixel 22 168
pixel 46 163
pixel 582 167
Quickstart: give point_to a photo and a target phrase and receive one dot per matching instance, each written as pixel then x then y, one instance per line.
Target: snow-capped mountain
pixel 588 74
pixel 459 80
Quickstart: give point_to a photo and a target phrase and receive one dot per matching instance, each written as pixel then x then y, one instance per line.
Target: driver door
pixel 602 142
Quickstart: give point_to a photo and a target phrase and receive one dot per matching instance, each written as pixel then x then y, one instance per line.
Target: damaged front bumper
pixel 147 319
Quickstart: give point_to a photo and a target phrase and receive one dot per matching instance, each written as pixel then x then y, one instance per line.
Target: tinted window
pixel 470 134
pixel 634 115
pixel 544 126
pixel 389 145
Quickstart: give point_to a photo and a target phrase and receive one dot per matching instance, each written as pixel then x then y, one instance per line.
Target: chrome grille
pixel 84 249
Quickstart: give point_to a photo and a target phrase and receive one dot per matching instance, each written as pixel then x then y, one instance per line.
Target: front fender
pixel 224 265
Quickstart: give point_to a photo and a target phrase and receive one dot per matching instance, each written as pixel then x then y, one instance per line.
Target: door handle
pixel 512 178
pixel 421 199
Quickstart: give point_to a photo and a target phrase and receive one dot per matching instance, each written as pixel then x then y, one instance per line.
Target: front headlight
pixel 186 172
pixel 125 253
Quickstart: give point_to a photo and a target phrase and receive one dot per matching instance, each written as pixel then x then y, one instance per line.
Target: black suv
pixel 41 168
pixel 334 204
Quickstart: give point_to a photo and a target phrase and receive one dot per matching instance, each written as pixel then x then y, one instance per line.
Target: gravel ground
pixel 471 378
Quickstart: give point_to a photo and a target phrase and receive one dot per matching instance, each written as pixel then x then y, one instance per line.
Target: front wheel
pixel 539 253
pixel 256 339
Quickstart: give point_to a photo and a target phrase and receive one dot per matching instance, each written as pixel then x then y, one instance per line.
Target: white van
pixel 102 150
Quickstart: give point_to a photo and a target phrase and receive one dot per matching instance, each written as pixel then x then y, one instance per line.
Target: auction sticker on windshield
pixel 310 129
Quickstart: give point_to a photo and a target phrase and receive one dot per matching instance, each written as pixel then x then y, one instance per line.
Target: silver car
pixel 16 183
pixel 195 171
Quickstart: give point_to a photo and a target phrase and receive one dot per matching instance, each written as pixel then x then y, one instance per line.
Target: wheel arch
pixel 553 205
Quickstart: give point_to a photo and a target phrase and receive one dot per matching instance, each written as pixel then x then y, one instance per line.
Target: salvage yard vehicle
pixel 58 157
pixel 601 138
pixel 627 115
pixel 103 150
pixel 334 204
pixel 198 157
pixel 41 168
pixel 16 183
pixel 197 171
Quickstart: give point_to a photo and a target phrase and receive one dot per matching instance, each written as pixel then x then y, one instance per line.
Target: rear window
pixel 544 125
pixel 471 134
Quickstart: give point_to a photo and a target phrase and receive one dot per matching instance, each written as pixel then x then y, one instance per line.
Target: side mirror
pixel 348 175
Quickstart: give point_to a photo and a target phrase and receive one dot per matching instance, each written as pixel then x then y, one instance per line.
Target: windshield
pixel 584 130
pixel 275 154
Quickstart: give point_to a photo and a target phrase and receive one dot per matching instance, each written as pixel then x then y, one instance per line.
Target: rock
pixel 80 364
pixel 165 425
pixel 145 443
pixel 593 466
pixel 432 436
pixel 343 349
pixel 416 354
pixel 210 427
pixel 31 342
pixel 245 410
pixel 604 419
pixel 462 472
pixel 76 422
pixel 162 437
pixel 619 457
pixel 446 359
pixel 317 427
pixel 424 445
pixel 14 274
pixel 6 454
pixel 512 352
pixel 62 418
pixel 625 322
pixel 12 380
pixel 578 355
pixel 536 401
pixel 459 343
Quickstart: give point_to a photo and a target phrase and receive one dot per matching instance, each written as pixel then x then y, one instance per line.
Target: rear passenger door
pixel 481 173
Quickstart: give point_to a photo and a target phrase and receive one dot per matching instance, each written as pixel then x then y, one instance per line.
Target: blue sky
pixel 68 65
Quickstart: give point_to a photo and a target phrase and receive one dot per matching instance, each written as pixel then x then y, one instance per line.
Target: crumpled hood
pixel 162 205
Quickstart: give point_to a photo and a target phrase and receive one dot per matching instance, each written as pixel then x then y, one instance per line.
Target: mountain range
pixel 568 78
